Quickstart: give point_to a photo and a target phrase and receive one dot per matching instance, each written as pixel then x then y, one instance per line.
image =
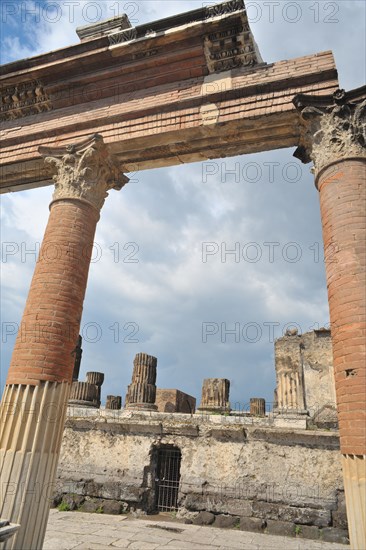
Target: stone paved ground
pixel 68 530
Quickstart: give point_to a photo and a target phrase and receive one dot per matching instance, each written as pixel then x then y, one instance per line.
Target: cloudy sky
pixel 162 280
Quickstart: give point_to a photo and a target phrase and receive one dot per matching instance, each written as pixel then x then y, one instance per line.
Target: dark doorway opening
pixel 167 478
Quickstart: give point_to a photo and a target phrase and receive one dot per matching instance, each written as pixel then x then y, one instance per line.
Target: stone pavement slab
pixel 82 531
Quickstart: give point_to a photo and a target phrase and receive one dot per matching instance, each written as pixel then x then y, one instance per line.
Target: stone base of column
pixel 213 410
pixel 354 477
pixel 32 420
pixel 141 407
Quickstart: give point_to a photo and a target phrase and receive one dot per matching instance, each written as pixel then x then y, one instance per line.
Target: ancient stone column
pixel 84 394
pixel 96 378
pixel 113 402
pixel 334 138
pixel 141 392
pixel 34 403
pixel 215 395
pixel 257 406
pixel 77 362
pixel 289 374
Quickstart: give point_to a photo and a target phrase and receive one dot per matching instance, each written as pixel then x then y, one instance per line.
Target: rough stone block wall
pixel 174 401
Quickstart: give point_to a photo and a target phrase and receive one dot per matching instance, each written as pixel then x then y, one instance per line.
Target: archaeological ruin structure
pixel 215 395
pixel 212 464
pixel 141 392
pixel 185 88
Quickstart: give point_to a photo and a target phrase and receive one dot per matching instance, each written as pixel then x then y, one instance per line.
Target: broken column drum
pixel 113 402
pixel 96 378
pixel 141 392
pixel 215 395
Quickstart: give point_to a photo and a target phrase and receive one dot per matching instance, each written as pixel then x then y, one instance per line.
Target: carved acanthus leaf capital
pixel 332 127
pixel 85 170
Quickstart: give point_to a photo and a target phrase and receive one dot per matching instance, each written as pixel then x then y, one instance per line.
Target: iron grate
pixel 168 477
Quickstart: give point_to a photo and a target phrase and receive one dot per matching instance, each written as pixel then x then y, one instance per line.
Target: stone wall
pixel 265 477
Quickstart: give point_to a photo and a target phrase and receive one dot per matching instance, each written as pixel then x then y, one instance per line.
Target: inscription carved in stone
pixel 27 98
pixel 333 127
pixel 85 170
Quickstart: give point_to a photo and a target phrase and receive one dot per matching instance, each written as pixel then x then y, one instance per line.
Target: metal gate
pixel 167 479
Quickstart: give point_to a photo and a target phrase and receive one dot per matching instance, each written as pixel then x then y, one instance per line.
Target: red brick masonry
pixel 342 200
pixel 51 319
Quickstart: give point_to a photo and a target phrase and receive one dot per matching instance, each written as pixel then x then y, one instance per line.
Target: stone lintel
pixel 152 96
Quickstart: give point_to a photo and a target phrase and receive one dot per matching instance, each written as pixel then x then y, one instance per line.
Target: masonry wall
pixel 266 477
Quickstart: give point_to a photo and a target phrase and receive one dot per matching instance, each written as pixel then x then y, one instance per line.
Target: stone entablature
pixel 23 99
pixel 193 86
pixel 103 28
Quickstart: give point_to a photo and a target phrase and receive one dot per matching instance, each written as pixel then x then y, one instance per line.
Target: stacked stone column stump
pixel 84 394
pixel 141 392
pixel 96 378
pixel 113 402
pixel 215 396
pixel 257 406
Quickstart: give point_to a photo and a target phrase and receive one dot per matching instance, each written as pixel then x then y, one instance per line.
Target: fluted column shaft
pixel 215 395
pixel 40 375
pixel 141 392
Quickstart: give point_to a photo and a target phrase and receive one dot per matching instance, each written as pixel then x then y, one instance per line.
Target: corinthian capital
pixel 84 170
pixel 332 127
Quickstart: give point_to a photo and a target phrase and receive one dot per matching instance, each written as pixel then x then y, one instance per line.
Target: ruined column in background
pixel 113 402
pixel 141 392
pixel 333 136
pixel 84 394
pixel 78 354
pixel 96 378
pixel 215 395
pixel 289 375
pixel 33 408
pixel 257 406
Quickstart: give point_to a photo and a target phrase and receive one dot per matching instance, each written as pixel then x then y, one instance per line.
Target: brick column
pixel 34 403
pixel 334 138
